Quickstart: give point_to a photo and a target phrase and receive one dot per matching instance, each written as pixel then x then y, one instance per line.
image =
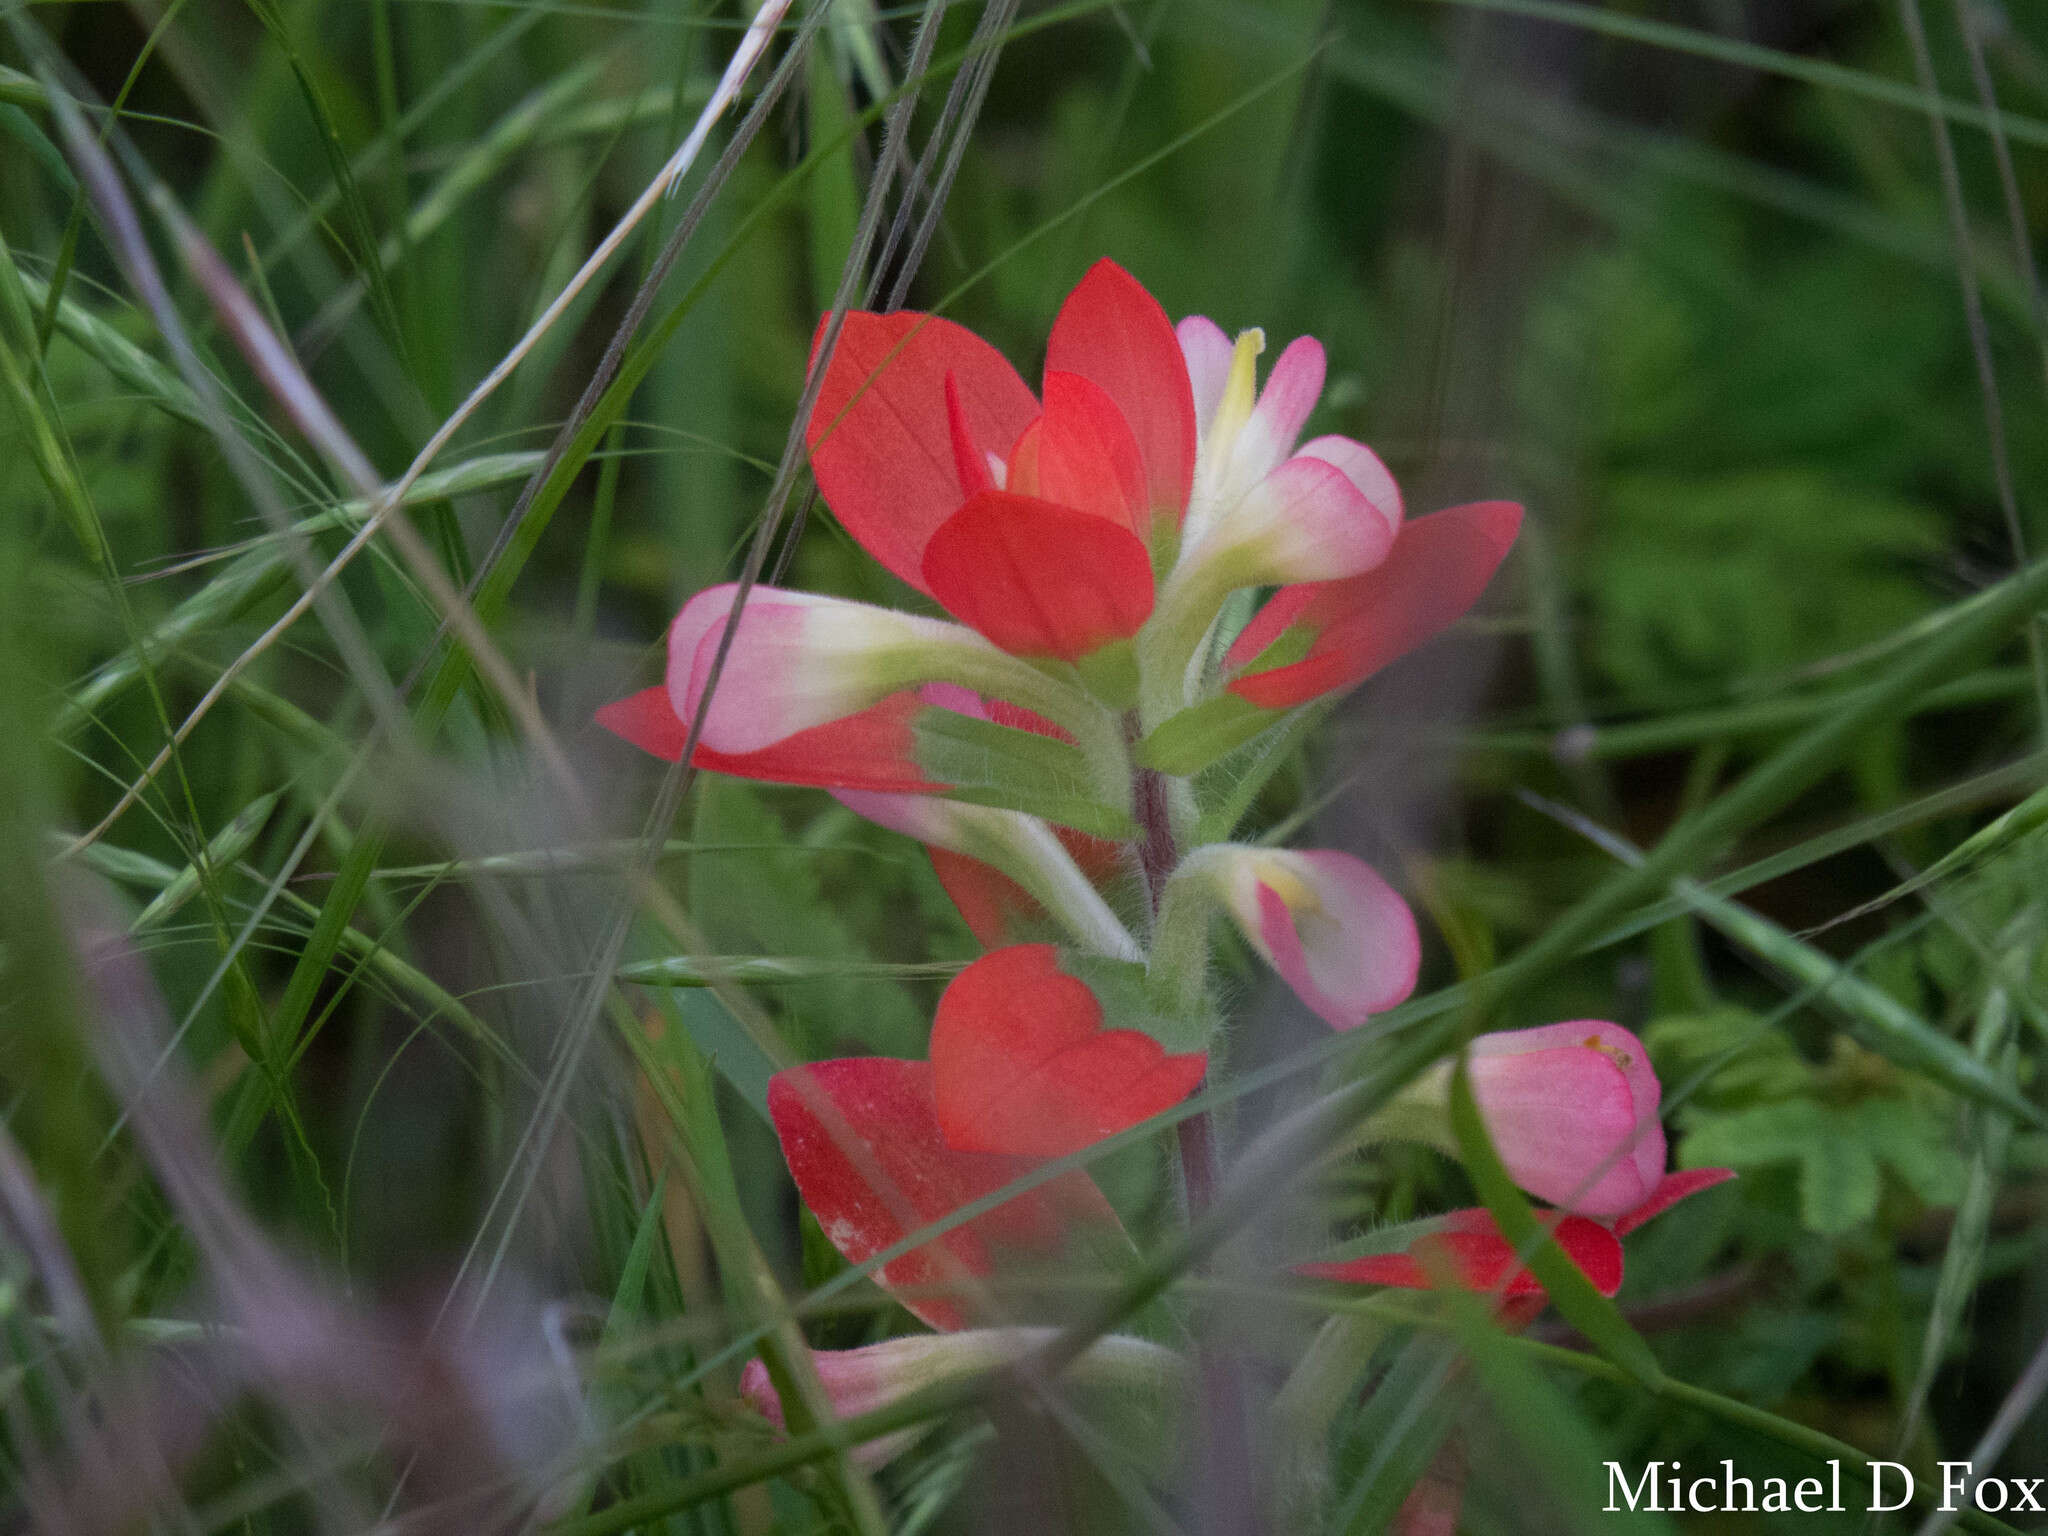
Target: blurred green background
pixel 1685 278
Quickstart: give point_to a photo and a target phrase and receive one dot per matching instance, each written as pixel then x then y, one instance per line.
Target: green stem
pixel 1178 970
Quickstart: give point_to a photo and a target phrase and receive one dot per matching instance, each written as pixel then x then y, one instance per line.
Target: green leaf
pixel 1233 782
pixel 228 845
pixel 632 1286
pixel 1011 769
pixel 1909 1140
pixel 1840 1152
pixel 1186 743
pixel 1757 1137
pixel 1838 1184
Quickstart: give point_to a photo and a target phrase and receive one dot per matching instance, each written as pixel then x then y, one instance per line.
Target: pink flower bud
pixel 859 1381
pixel 1337 933
pixel 1572 1109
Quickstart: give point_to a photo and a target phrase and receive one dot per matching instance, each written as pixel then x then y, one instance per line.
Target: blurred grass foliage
pixel 375 1190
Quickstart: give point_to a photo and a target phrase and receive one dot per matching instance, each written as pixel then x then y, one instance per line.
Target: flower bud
pixel 859 1381
pixel 1572 1110
pixel 1337 933
pixel 798 661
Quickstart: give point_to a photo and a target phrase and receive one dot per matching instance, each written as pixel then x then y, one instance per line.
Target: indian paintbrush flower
pixel 1084 537
pixel 1087 542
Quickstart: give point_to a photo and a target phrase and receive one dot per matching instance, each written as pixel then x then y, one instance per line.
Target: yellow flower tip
pixel 1240 389
pixel 1286 883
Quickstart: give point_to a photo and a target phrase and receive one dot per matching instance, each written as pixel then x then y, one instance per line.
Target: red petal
pixel 1003 712
pixel 863 1145
pixel 1471 1247
pixel 970 461
pixel 1021 1064
pixel 996 908
pixel 1039 579
pixel 1100 859
pixel 1673 1188
pixel 881 437
pixel 874 749
pixel 1114 334
pixel 1081 454
pixel 1436 570
pixel 649 721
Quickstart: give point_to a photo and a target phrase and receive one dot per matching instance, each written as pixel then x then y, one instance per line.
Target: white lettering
pixel 1729 1480
pixel 1801 1494
pixel 1617 1481
pixel 1877 1472
pixel 1955 1482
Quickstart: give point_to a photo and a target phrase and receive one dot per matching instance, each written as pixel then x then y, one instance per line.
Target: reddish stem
pixel 1157 853
pixel 1232 1501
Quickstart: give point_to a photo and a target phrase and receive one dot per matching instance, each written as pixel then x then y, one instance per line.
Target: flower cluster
pixel 1146 570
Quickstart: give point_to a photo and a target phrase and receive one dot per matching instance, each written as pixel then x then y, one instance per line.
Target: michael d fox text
pixel 1667 1488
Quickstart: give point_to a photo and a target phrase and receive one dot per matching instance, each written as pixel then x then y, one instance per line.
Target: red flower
pixel 1021 1070
pixel 1039 522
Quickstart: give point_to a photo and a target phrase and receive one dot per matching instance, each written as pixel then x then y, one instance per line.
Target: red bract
pixel 880 437
pixel 1113 333
pixel 1331 635
pixel 861 1137
pixel 1038 578
pixel 1468 1249
pixel 1671 1189
pixel 873 749
pixel 1026 522
pixel 995 908
pixel 1022 1065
